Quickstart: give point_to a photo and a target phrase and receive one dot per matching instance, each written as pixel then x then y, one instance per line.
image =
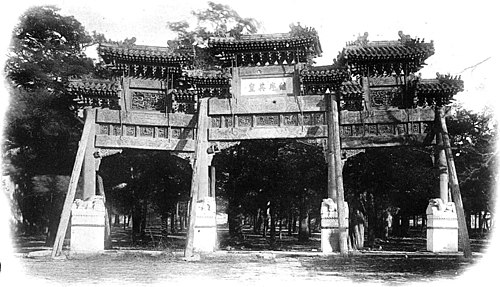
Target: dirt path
pixel 398 261
pixel 248 267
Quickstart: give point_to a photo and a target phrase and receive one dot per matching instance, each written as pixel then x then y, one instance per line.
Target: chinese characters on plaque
pixel 267 86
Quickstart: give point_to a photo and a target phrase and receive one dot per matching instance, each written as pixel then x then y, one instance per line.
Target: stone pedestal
pixel 205 228
pixel 442 226
pixel 330 225
pixel 87 225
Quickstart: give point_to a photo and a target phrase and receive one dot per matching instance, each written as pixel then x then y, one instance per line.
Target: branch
pixel 474 66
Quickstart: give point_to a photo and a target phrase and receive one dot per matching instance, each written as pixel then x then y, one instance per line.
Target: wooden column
pixel 212 181
pixel 199 165
pixel 334 143
pixel 442 167
pixel 89 161
pixel 455 189
pixel 75 174
pixel 107 225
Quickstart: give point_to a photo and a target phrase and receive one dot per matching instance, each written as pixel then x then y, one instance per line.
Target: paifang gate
pixel 266 87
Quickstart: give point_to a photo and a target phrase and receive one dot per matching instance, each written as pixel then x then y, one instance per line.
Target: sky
pixel 462 31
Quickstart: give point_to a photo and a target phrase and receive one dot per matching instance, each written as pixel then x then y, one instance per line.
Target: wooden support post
pixel 89 164
pixel 334 143
pixel 107 225
pixel 200 152
pixel 75 174
pixel 455 189
pixel 212 181
pixel 332 183
pixel 442 167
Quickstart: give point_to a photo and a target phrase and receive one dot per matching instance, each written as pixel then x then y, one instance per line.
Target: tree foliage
pixel 473 137
pixel 218 20
pixel 42 130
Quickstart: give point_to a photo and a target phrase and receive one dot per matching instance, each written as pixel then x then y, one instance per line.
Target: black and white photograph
pixel 249 143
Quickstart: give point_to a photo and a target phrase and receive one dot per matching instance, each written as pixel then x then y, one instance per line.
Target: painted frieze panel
pixel 313 119
pixel 116 130
pixel 386 129
pixel 130 131
pixel 228 121
pixel 415 128
pixel 146 131
pixel 162 132
pixel 244 121
pixel 384 98
pixel 103 129
pixel 216 122
pixel 291 120
pixel 182 133
pixel 148 101
pixel 345 130
pixel 267 120
pixel 401 129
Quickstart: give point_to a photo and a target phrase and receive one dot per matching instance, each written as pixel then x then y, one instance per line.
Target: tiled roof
pixel 439 86
pixel 323 74
pixel 351 88
pixel 160 56
pixel 93 86
pixel 379 57
pixel 391 51
pixel 282 41
pixel 207 77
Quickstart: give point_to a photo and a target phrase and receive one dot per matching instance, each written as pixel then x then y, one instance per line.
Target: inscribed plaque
pixel 267 86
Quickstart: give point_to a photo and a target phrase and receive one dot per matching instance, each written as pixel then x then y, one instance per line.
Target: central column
pixel 334 211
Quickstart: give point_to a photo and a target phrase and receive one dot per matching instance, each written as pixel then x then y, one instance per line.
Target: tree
pixel 139 181
pixel 42 129
pixel 399 180
pixel 473 136
pixel 272 181
pixel 217 20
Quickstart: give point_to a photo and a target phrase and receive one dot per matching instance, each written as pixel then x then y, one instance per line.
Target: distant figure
pixel 387 224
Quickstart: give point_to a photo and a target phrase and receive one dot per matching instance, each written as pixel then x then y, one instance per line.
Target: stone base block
pixel 87 225
pixel 330 226
pixel 205 228
pixel 442 227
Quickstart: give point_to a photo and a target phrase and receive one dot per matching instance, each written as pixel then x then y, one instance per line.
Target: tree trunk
pixel 117 220
pixel 294 225
pixel 173 227
pixel 272 232
pixel 290 221
pixel 136 222
pixel 405 224
pixel 303 227
pixel 235 220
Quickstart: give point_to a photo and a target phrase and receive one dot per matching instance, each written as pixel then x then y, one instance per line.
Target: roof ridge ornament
pixel 362 40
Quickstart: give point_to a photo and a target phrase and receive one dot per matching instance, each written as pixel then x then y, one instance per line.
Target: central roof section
pixel 266 49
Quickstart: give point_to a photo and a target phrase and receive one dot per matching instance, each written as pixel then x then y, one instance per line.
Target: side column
pixel 334 211
pixel 88 215
pixel 442 223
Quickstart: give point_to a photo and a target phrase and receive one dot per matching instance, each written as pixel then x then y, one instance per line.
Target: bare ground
pixel 249 261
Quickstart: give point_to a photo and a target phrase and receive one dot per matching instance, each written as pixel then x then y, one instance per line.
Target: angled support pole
pixel 75 174
pixel 201 138
pixel 455 189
